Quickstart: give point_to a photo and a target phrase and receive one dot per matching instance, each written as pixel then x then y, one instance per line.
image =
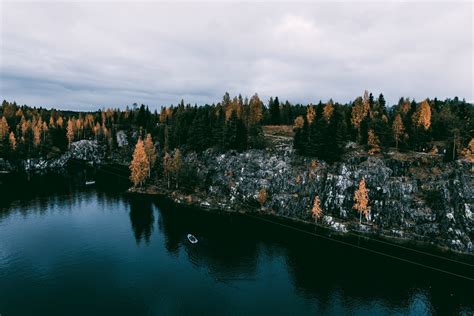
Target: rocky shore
pixel 412 196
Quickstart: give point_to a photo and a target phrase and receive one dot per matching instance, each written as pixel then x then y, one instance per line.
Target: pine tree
pixel 139 166
pixel 176 165
pixel 361 200
pixel 300 140
pixel 316 211
pixel 275 111
pixel 398 129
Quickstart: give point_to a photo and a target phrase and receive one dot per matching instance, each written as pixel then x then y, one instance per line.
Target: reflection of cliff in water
pixel 329 274
pixel 224 249
pixel 141 218
pixel 65 188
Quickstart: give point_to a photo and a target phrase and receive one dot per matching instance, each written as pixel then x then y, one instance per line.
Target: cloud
pixel 88 55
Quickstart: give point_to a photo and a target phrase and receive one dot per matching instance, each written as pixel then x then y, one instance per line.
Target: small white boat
pixel 192 239
pixel 90 182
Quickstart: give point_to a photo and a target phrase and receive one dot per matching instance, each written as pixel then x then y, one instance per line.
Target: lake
pixel 70 249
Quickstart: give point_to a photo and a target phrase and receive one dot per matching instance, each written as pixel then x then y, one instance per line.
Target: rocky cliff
pixel 84 150
pixel 414 196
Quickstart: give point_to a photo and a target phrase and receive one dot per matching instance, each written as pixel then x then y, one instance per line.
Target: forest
pixel 321 130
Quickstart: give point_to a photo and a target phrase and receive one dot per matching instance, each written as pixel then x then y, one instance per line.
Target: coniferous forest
pixel 222 157
pixel 321 130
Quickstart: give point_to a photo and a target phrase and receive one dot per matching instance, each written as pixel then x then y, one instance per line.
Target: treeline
pixel 27 132
pixel 231 124
pixel 325 129
pixel 321 130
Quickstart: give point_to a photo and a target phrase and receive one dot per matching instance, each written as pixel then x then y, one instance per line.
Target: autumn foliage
pixel 150 151
pixel 422 117
pixel 398 129
pixel 316 211
pixel 139 166
pixel 262 197
pixel 361 200
pixel 373 142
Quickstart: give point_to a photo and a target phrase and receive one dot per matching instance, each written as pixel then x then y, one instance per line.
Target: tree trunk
pixel 454 148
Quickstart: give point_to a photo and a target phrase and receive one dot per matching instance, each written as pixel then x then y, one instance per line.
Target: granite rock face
pixel 84 150
pixel 420 198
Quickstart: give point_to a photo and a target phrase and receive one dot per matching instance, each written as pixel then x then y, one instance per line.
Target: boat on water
pixel 192 239
pixel 90 182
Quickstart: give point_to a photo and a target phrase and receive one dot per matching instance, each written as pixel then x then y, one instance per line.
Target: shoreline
pixel 377 236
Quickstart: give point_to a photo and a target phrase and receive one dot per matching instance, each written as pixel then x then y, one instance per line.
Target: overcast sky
pixel 86 55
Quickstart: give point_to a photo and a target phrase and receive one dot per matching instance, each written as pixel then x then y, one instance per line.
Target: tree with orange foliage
pixel 422 117
pixel 96 130
pixel 70 131
pixel 310 114
pixel 299 122
pixel 468 152
pixel 360 110
pixel 256 110
pixel 12 140
pixel 44 129
pixel 262 197
pixel 316 211
pixel 139 166
pixel 398 129
pixel 328 110
pixel 150 152
pixel 37 133
pixel 361 200
pixel 25 126
pixel 373 142
pixel 4 128
pixel 60 122
pixel 165 114
pixel 79 127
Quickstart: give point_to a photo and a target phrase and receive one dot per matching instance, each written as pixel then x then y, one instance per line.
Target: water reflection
pixel 142 219
pixel 227 252
pixel 237 261
pixel 336 278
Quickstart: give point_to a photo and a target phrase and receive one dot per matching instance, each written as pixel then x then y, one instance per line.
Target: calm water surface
pixel 85 251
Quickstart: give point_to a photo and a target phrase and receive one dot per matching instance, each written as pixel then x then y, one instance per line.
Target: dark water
pixel 86 251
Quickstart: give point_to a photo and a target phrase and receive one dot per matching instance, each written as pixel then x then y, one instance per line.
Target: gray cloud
pixel 86 55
